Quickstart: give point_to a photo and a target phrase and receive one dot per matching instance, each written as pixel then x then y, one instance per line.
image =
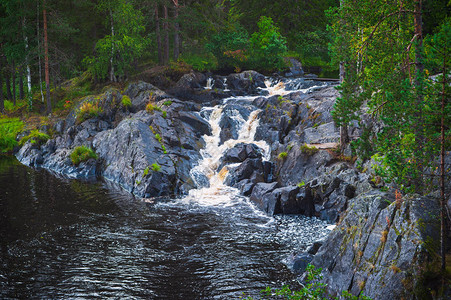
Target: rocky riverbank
pixel 382 244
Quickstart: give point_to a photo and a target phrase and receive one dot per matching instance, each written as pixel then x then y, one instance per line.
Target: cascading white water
pixel 217 193
pixel 210 82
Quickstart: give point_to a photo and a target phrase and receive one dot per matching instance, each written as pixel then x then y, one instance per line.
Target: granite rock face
pixel 381 247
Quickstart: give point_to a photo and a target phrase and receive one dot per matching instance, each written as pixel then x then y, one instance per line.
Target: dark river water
pixel 68 239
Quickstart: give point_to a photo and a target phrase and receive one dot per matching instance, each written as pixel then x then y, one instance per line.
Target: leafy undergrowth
pixel 35 136
pixel 82 153
pixel 9 129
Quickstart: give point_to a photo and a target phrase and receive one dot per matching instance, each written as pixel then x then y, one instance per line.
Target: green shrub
pixel 156 167
pixel 9 128
pixel 165 114
pixel 308 150
pixel 160 140
pixel 82 153
pixel 35 136
pixel 146 171
pixel 301 184
pixel 167 103
pixel 150 108
pixel 89 109
pixel 126 102
pixel 201 63
pixel 268 46
pixel 282 155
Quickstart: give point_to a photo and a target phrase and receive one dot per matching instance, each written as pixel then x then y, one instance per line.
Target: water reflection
pixel 71 239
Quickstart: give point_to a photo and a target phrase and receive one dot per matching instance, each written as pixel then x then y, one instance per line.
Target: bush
pixel 82 153
pixel 35 136
pixel 268 46
pixel 308 150
pixel 201 63
pixel 9 128
pixel 156 167
pixel 230 47
pixel 282 155
pixel 150 108
pixel 89 109
pixel 126 102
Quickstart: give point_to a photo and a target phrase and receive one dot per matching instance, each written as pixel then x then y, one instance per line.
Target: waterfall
pixel 210 82
pixel 211 189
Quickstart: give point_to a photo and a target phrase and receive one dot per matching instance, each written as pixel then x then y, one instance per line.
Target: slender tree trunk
pixel 29 93
pixel 2 103
pixel 157 31
pixel 8 84
pixel 344 137
pixel 112 77
pixel 443 228
pixel 419 89
pixel 46 61
pixel 39 50
pixel 166 35
pixel 176 31
pixel 21 91
pixel 14 82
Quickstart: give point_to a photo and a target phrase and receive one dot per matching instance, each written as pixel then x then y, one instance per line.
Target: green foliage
pixel 82 153
pixel 167 103
pixel 378 50
pixel 313 289
pixel 88 109
pixel 126 102
pixel 156 167
pixel 9 129
pixel 301 184
pixel 268 46
pixel 150 108
pixel 230 47
pixel 35 136
pixel 146 172
pixel 282 155
pixel 122 47
pixel 201 63
pixel 309 151
pixel 160 140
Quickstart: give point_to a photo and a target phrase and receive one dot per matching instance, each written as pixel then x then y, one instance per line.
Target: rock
pixel 263 197
pixel 240 152
pixel 251 168
pixel 197 123
pixel 247 82
pixel 325 133
pixel 295 67
pixel 142 92
pixel 379 249
pixel 232 118
pixel 313 249
pixel 300 262
pixel 288 200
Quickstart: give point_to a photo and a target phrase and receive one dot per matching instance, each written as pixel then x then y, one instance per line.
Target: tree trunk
pixel 166 35
pixel 29 94
pixel 39 50
pixel 21 92
pixel 2 104
pixel 157 31
pixel 443 228
pixel 8 84
pixel 419 90
pixel 14 82
pixel 46 61
pixel 112 77
pixel 344 137
pixel 176 31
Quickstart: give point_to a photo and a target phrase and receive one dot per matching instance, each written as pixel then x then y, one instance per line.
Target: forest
pixel 384 63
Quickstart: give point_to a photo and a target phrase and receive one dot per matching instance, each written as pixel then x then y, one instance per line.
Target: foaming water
pixel 68 239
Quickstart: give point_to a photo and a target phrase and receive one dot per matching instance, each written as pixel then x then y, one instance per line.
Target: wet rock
pixel 232 118
pixel 263 197
pixel 300 262
pixel 142 92
pixel 240 152
pixel 376 248
pixel 247 82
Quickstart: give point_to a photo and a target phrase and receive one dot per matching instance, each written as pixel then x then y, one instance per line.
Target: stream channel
pixel 69 239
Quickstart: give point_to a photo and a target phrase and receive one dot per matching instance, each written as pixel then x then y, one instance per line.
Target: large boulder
pixel 246 83
pixel 382 247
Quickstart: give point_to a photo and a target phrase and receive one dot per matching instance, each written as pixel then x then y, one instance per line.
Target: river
pixel 64 238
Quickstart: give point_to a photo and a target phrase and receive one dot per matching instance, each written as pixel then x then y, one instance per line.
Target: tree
pixel 46 61
pixel 116 52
